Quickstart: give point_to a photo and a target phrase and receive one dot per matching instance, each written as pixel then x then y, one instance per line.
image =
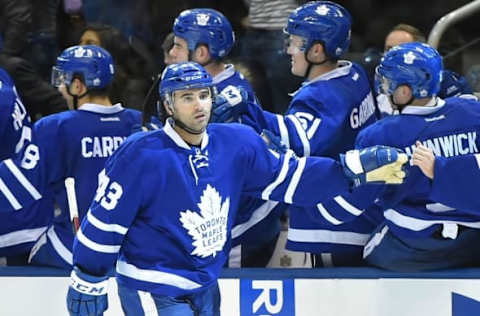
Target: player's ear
pixel 201 54
pixel 78 86
pixel 316 52
pixel 167 107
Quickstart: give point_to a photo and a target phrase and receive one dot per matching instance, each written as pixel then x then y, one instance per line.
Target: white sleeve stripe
pixel 313 128
pixel 59 247
pixel 280 178
pixel 301 133
pixel 347 206
pixel 105 227
pixel 148 303
pixel 327 215
pixel 292 186
pixel 283 131
pixel 21 178
pixel 96 246
pixel 9 196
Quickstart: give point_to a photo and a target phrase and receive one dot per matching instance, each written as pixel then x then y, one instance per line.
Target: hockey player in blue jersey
pixel 19 230
pixel 69 144
pixel 324 117
pixel 420 234
pixel 166 200
pixel 455 181
pixel 205 36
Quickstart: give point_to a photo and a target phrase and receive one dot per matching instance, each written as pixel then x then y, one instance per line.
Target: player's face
pixel 396 38
pixel 179 51
pixel 297 55
pixel 193 107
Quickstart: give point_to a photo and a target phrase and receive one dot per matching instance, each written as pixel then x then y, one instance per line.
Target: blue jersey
pixel 258 221
pixel 15 126
pixel 18 230
pixel 67 144
pixel 457 182
pixel 157 188
pixel 231 77
pixel 448 127
pixel 323 119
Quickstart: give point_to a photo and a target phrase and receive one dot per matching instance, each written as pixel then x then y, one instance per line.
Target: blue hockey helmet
pixel 93 64
pixel 414 64
pixel 322 21
pixel 205 26
pixel 183 76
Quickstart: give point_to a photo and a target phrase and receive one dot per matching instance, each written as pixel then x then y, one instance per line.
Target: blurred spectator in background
pixel 167 45
pixel 16 22
pixel 264 47
pixel 133 65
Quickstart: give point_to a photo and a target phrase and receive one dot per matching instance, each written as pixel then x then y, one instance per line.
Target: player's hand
pixel 424 159
pixel 377 164
pixel 228 104
pixel 273 142
pixel 87 294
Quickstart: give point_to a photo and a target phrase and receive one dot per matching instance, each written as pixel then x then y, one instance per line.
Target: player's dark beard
pixel 184 126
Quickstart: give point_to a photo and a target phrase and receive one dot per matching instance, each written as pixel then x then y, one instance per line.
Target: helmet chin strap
pixel 312 63
pixel 75 97
pixel 400 107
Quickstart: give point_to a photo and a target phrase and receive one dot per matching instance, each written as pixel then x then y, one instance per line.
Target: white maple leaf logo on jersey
pixel 322 10
pixel 408 58
pixel 202 19
pixel 209 228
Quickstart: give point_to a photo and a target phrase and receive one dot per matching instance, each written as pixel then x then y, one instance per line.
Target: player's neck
pixel 318 70
pixel 189 138
pixel 215 68
pixel 102 100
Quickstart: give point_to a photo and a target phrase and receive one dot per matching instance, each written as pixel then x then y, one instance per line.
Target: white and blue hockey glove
pixel 274 142
pixel 87 295
pixel 229 104
pixel 377 164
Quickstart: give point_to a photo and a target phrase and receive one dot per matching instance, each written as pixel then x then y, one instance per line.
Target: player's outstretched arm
pixel 376 164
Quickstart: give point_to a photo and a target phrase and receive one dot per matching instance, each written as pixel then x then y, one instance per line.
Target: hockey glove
pixel 273 142
pixel 87 295
pixel 229 104
pixel 377 164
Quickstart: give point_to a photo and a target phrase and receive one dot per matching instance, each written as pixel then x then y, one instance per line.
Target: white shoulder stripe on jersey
pixel 96 246
pixel 327 236
pixel 59 247
pixel 327 215
pixel 148 304
pixel 347 206
pixel 9 196
pixel 155 276
pixel 115 228
pixel 292 186
pixel 301 134
pixel 22 179
pixel 280 178
pixel 283 130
